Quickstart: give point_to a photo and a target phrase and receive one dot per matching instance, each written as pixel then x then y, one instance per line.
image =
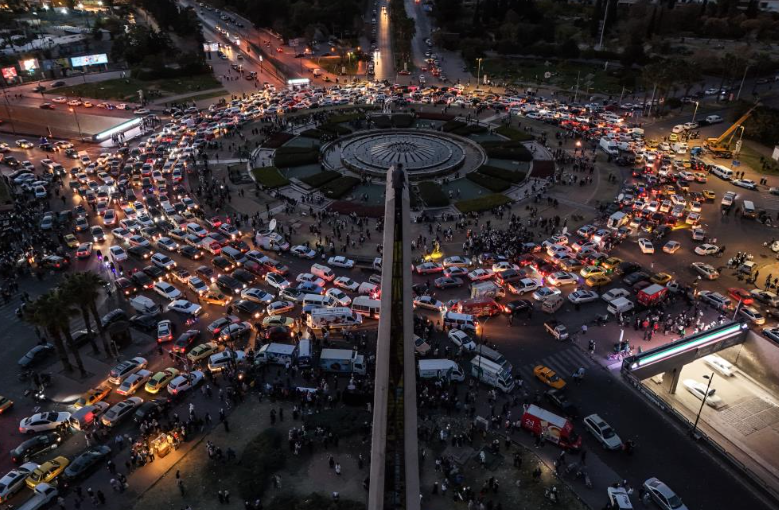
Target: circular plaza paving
pixel 423 153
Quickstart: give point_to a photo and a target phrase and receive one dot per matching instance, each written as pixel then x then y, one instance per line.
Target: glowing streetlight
pixel 75 116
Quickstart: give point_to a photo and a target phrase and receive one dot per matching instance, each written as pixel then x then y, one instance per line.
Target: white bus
pixel 366 306
pixel 339 317
pixel 722 172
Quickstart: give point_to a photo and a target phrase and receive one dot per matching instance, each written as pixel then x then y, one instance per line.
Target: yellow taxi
pixel 548 376
pixel 160 380
pixel 611 263
pixel 202 351
pixel 673 137
pixel 661 278
pixel 71 241
pixel 278 320
pixel 215 298
pixel 5 404
pixel 597 281
pixel 652 143
pixel 47 471
pixel 92 396
pixel 708 194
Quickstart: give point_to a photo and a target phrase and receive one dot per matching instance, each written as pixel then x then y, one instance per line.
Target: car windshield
pixel 675 501
pixel 608 432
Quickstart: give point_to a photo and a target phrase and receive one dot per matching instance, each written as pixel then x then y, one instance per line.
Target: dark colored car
pixel 36 445
pixel 229 285
pixel 222 264
pixel 185 341
pixel 627 267
pixel 634 278
pixel 145 322
pixel 155 273
pixel 113 316
pixel 249 309
pixel 86 462
pixel 519 306
pixel 191 252
pixel 140 252
pixel 291 294
pixel 559 400
pixel 279 334
pixel 142 280
pixel 206 274
pixel 126 287
pixel 242 275
pixel 35 355
pixel 151 409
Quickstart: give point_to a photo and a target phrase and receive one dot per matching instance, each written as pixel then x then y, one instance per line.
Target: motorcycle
pixel 578 376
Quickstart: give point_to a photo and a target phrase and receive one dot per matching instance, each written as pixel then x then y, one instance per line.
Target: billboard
pixel 211 46
pixel 9 73
pixel 29 65
pixel 89 60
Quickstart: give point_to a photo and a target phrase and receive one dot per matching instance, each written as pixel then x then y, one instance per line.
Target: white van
pixel 366 306
pixel 313 301
pixel 492 374
pixel 338 317
pixel 722 172
pixel 609 146
pixel 620 305
pixel 618 219
pixel 277 354
pixel 323 272
pixel 440 369
pixel 144 305
pixel 464 322
pixel 368 289
pixel 233 255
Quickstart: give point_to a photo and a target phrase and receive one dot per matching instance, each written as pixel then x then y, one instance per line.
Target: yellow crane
pixel 716 146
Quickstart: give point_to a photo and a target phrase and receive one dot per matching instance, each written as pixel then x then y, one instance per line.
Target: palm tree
pixel 90 284
pixel 39 313
pixel 62 311
pixel 80 295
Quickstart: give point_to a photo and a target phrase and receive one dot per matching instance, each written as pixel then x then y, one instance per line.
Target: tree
pixel 61 312
pixel 39 313
pixel 78 287
pixel 91 284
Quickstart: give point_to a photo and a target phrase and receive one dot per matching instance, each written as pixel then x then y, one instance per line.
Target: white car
pixel 166 290
pixel 130 385
pixel 457 261
pixel 429 268
pixel 109 218
pixel 455 271
pixel 480 274
pixel 164 331
pixel 163 261
pixel 690 125
pixel 720 365
pixel 117 254
pixel 663 495
pixel 698 389
pixel 280 307
pixel 185 307
pixel 602 432
pixel 613 294
pixel 752 315
pixel 671 247
pixel 42 422
pixel 166 243
pixel 745 183
pixel 716 300
pixel 706 249
pixel 303 252
pixel 310 278
pixel 277 281
pixel 705 270
pixel 545 293
pixel 340 297
pixel 504 265
pixel 562 278
pixel 257 295
pixel 219 361
pixel 346 283
pixel 461 339
pixel 646 246
pixel 582 296
pixel 340 261
pixel 197 285
pixel 14 480
pixel 185 382
pixel 698 234
pixel 679 128
pixel 430 303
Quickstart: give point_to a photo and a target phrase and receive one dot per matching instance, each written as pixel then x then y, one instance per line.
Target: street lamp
pixel 696 110
pixel 478 72
pixel 75 116
pixel 703 402
pixel 8 112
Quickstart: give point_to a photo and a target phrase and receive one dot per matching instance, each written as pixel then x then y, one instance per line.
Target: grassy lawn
pixel 751 158
pixel 127 89
pixel 514 134
pixel 207 95
pixel 334 65
pixel 484 203
pixel 531 72
pixel 431 194
pixel 269 177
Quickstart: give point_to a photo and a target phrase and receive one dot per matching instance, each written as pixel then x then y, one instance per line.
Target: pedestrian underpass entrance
pixel 669 359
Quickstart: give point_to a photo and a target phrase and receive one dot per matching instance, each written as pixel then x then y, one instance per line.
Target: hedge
pixel 277 140
pixel 512 153
pixel 402 120
pixel 382 121
pixel 262 457
pixel 513 134
pixel 335 129
pixel 345 117
pixel 452 125
pixel 432 194
pixel 512 176
pixel 340 186
pixel 312 133
pixel 297 157
pixel 269 177
pixel 470 129
pixel 320 179
pixel 491 183
pixel 484 203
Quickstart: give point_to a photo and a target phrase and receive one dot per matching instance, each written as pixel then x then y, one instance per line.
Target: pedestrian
pixel 227 425
pixel 101 497
pixel 221 496
pixel 227 497
pixel 180 484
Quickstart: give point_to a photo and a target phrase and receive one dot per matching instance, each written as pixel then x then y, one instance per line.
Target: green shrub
pixel 432 194
pixel 335 129
pixel 347 421
pixel 340 186
pixel 295 150
pixel 296 156
pixel 320 179
pixel 512 176
pixel 514 134
pixel 512 153
pixel 491 183
pixel 345 117
pixel 269 177
pixel 402 120
pixel 484 203
pixel 263 456
pixel 382 121
pixel 470 129
pixel 452 125
pixel 312 133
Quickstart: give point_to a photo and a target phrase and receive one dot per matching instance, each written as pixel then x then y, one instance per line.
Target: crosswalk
pixel 564 363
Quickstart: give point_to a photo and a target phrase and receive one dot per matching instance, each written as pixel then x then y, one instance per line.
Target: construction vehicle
pixel 716 146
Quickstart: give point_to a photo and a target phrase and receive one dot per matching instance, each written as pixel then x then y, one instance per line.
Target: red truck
pixel 556 429
pixel 652 295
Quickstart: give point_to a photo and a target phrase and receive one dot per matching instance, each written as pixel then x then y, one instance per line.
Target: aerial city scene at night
pixel 389 254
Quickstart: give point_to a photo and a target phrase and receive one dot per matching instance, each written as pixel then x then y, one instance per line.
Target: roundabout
pixel 423 153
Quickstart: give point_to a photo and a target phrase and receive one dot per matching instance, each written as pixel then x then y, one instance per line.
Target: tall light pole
pixel 696 110
pixel 603 28
pixel 75 116
pixel 8 112
pixel 742 82
pixel 478 72
pixel 703 402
